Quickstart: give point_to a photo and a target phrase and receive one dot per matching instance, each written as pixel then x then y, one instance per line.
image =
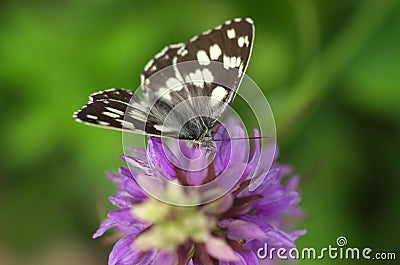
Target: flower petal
pixel 274 236
pixel 295 234
pixel 129 173
pixel 147 258
pixel 166 258
pixel 114 177
pixel 197 170
pixel 245 258
pixel 238 147
pixel 224 223
pixel 133 161
pixel 279 238
pixel 189 151
pixel 219 249
pixel 159 160
pixel 239 229
pixel 121 201
pixel 222 156
pixel 255 155
pixel 292 183
pixel 139 153
pixel 221 205
pixel 125 217
pixel 123 253
pixel 231 175
pixel 104 226
pixel 275 207
pixel 133 188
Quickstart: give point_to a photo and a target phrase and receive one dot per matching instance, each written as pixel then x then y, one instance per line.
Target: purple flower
pixel 228 230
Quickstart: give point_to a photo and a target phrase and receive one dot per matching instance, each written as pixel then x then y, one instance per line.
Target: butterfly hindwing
pixel 118 109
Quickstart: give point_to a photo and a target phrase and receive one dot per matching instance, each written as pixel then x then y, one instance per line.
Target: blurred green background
pixel 330 70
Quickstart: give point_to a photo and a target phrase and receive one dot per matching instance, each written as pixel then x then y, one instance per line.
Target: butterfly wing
pixel 218 59
pixel 119 109
pixel 228 45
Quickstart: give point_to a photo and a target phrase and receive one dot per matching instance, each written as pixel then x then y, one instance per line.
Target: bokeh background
pixel 330 70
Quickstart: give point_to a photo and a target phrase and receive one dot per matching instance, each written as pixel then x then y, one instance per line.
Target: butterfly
pixel 186 88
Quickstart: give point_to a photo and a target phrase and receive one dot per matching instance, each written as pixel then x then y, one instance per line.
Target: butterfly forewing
pixel 114 94
pixel 220 54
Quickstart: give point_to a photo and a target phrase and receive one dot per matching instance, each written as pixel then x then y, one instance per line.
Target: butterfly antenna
pixel 244 138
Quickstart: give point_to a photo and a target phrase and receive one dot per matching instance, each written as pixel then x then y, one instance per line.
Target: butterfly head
pixel 208 144
pixel 206 141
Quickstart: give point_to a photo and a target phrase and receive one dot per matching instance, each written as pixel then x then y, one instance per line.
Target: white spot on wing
pixel 175 67
pixel 240 41
pixel 194 38
pixel 240 71
pixel 202 57
pixel 215 52
pixel 246 40
pixel 249 20
pixel 233 62
pixel 187 79
pixel 139 115
pixel 174 84
pixel 91 117
pixel 176 45
pixel 197 78
pixel 120 112
pixel 110 114
pixel 231 33
pixel 238 61
pixel 148 65
pixel 126 124
pixel 163 128
pixel 219 93
pixel 208 76
pixel 180 50
pixel 103 123
pixel 166 94
pixel 161 53
pixel 227 62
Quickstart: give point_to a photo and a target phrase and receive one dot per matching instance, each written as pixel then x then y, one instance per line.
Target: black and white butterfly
pixel 194 81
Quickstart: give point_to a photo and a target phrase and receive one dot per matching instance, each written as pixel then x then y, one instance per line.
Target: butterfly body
pixel 204 138
pixel 186 88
